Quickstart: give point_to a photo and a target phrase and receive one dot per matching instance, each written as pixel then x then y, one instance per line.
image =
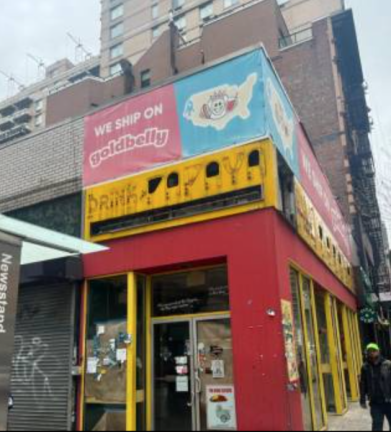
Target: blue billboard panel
pixel 281 119
pixel 222 106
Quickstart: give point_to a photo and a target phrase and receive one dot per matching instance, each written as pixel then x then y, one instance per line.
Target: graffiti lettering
pixel 34 368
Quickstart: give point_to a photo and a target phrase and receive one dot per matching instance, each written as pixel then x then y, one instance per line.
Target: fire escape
pixel 367 221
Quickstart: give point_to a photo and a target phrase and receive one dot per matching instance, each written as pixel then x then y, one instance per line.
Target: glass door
pixel 334 322
pixel 173 380
pixel 301 352
pixel 193 379
pixel 192 362
pixel 344 348
pixel 214 375
pixel 351 358
pixel 308 351
pixel 325 355
pixel 314 360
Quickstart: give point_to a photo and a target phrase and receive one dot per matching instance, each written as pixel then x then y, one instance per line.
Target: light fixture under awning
pixel 41 244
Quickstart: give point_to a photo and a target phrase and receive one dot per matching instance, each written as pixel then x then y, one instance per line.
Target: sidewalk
pixel 356 419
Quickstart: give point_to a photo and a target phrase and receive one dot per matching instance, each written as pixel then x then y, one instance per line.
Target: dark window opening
pixel 173 180
pixel 321 233
pixel 254 159
pixel 287 190
pixel 146 78
pixel 211 203
pixel 213 170
pixel 153 185
pixel 328 243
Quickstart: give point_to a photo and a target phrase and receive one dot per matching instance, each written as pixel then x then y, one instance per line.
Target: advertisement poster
pixel 281 119
pixel 221 408
pixel 217 108
pixel 222 106
pixel 290 343
pixel 131 137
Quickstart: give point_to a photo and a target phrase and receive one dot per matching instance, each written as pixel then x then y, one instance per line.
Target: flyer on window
pixel 221 408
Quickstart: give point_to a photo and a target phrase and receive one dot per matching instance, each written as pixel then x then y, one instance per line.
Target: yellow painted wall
pixel 312 228
pixel 132 196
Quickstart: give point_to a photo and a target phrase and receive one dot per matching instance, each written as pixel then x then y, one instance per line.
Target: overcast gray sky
pixel 40 27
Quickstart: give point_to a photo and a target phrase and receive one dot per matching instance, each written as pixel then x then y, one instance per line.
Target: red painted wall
pixel 257 247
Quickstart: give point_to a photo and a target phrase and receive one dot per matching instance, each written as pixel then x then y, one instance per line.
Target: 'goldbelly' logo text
pixel 153 137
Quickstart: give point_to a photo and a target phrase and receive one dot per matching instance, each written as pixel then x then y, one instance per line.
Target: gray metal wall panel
pixel 42 366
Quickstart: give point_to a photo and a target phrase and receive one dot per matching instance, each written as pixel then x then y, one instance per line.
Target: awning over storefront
pixel 40 244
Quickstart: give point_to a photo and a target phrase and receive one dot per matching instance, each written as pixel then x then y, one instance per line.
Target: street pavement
pixel 356 419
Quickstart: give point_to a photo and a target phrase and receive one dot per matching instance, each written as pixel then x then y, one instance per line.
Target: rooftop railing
pixel 296 38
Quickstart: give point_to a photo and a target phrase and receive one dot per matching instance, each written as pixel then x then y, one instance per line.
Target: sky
pixel 40 27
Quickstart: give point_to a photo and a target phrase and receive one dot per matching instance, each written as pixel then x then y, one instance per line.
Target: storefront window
pixel 312 346
pixel 204 291
pixel 141 353
pixel 106 366
pixel 325 351
pixel 337 339
pixel 344 350
pixel 301 351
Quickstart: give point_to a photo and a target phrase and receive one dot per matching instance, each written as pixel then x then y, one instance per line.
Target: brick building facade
pixel 41 177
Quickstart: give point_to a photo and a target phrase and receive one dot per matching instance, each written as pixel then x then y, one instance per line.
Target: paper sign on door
pixel 221 408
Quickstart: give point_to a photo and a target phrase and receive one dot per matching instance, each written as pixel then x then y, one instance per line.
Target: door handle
pixel 192 400
pixel 198 385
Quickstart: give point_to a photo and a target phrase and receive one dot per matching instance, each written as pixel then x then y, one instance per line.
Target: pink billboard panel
pixel 318 189
pixel 132 136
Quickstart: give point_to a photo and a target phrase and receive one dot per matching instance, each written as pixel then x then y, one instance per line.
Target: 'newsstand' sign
pixel 10 256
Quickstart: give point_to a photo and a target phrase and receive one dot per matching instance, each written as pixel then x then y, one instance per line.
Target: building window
pixel 173 180
pixel 39 120
pixel 116 51
pixel 230 3
pixel 213 170
pixel 181 23
pixel 206 11
pixel 117 30
pixel 176 4
pixel 155 32
pixel 254 159
pixel 39 105
pixel 117 12
pixel 145 78
pixel 115 69
pixel 155 11
pixel 154 184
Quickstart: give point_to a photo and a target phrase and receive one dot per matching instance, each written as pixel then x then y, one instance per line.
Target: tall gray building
pixel 130 27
